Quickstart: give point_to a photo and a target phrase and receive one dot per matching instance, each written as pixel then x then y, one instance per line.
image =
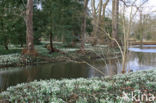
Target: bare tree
pixel 127 29
pixel 141 29
pixel 115 15
pixel 93 8
pixel 94 14
pixel 104 8
pixel 98 15
pixel 83 35
pixel 126 23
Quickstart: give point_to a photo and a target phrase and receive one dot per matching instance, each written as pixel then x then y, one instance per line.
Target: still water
pixel 138 59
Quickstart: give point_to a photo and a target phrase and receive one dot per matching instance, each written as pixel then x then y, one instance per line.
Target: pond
pixel 138 59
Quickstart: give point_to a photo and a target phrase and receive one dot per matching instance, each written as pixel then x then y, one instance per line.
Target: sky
pixel 148 8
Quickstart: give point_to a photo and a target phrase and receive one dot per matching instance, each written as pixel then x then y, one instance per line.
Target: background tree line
pixel 24 22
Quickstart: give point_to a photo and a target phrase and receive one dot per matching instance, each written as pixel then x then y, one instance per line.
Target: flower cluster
pixel 10 59
pixel 93 90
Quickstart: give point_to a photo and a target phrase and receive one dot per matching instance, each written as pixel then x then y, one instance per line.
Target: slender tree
pixel 104 8
pixel 83 35
pixel 115 14
pixel 98 17
pixel 141 29
pixel 29 27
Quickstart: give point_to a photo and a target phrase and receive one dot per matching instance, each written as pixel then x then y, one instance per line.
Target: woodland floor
pixel 13 56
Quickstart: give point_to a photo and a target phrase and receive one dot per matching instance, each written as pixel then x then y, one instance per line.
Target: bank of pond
pixel 111 89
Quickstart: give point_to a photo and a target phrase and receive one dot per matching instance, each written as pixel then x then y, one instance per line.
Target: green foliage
pixel 8 21
pixel 63 18
pixel 12 24
pixel 89 26
pixel 19 33
pixel 94 90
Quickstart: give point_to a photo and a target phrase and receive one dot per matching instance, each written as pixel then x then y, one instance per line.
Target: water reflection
pixel 108 67
pixel 145 49
pixel 56 71
pixel 141 61
pixel 44 71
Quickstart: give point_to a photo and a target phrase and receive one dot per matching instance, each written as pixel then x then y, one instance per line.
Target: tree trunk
pixel 83 35
pixel 29 27
pixel 94 17
pixel 94 21
pixel 93 8
pixel 124 59
pixel 104 10
pixel 21 44
pixel 115 14
pixel 99 17
pixel 141 30
pixel 97 20
pixel 6 46
pixel 51 43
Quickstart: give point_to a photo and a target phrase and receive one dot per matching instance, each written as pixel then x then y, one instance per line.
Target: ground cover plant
pixel 93 90
pixel 14 58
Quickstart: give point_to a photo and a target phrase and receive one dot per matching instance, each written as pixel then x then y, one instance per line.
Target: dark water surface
pixel 138 59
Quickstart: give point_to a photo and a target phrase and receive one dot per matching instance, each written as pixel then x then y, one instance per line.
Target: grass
pixel 93 90
pixel 42 50
pixel 12 49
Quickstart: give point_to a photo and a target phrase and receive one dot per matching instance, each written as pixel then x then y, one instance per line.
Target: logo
pixel 137 96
